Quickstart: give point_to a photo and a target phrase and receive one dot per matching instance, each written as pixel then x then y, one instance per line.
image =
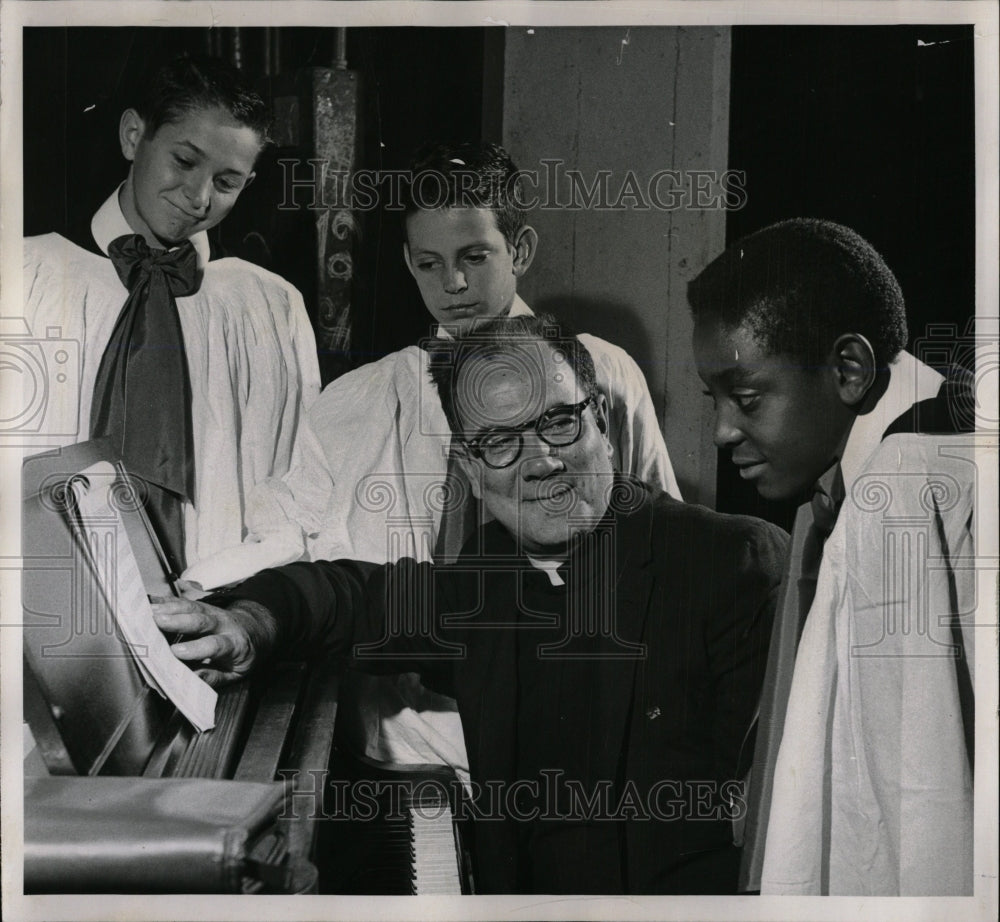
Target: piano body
pixel 92 714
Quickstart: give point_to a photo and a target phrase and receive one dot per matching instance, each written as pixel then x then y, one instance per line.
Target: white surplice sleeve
pixel 252 357
pixel 373 457
pixel 635 430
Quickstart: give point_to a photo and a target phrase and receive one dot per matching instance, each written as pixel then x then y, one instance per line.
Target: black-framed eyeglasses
pixel 560 425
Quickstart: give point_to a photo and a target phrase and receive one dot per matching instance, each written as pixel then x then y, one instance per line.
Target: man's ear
pixel 469 468
pixel 130 131
pixel 854 366
pixel 601 415
pixel 525 245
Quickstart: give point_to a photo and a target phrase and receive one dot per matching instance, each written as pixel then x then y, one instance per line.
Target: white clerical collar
pixel 517 309
pixel 910 381
pixel 550 568
pixel 109 223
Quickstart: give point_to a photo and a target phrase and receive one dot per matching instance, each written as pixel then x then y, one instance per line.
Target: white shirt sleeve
pixel 636 437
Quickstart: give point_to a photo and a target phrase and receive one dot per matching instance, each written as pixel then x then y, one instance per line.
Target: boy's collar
pixel 517 309
pixel 109 223
pixel 910 381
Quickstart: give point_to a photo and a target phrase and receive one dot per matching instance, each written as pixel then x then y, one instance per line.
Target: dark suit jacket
pixel 677 670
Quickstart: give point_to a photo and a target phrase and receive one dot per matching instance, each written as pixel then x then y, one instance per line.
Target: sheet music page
pixel 98 500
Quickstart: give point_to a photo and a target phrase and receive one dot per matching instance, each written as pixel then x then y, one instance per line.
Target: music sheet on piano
pixel 97 499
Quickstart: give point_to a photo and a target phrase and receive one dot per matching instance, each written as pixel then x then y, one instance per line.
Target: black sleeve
pixel 343 606
pixel 738 642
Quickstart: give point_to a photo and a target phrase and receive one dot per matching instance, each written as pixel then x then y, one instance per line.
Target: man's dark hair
pixel 190 82
pixel 503 336
pixel 798 285
pixel 466 175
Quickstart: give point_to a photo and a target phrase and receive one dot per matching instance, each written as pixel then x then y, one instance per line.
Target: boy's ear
pixel 525 245
pixel 854 364
pixel 130 131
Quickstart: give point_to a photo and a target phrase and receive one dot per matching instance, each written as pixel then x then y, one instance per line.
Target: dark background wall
pixel 873 127
pixel 870 126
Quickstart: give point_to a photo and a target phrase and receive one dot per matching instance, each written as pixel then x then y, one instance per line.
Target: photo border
pixel 16 14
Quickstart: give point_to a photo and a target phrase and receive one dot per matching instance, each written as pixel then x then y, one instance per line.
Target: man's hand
pixel 228 642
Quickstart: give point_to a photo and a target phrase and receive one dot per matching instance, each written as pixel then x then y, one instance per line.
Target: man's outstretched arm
pixel 304 609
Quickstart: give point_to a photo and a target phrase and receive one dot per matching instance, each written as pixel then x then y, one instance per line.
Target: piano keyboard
pixel 434 864
pixel 411 844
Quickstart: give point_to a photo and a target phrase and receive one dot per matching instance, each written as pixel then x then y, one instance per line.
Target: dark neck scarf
pixel 142 395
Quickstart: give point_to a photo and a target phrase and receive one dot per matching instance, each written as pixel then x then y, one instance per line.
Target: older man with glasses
pixel 606 645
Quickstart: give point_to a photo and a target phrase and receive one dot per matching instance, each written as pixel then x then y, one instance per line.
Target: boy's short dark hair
pixel 449 175
pixel 191 82
pixel 501 336
pixel 801 283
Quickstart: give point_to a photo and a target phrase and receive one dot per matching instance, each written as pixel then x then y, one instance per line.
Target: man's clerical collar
pixel 551 569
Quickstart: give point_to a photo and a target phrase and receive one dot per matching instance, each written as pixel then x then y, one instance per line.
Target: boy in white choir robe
pixel 247 346
pixel 863 767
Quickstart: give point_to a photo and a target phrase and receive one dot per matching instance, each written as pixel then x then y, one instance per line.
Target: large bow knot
pixel 137 264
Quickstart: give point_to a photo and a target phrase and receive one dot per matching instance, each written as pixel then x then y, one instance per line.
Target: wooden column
pixel 622 106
